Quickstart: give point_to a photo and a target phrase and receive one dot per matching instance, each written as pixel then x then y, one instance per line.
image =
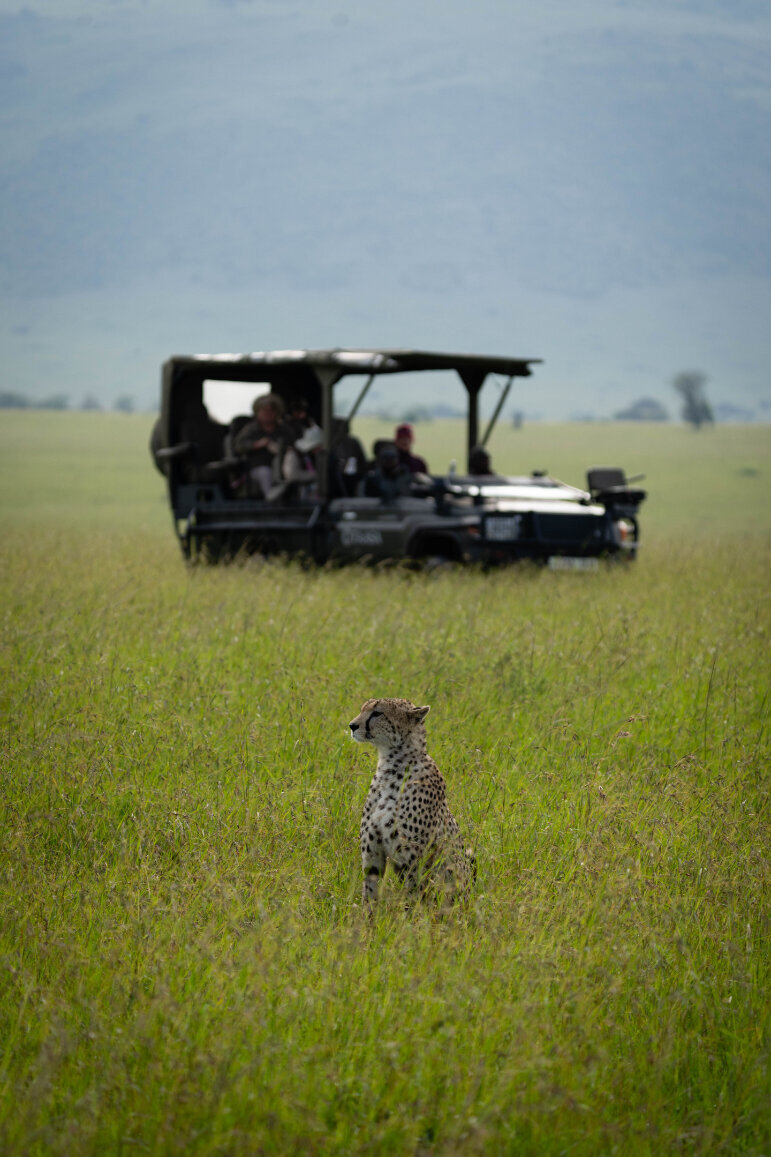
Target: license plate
pixel 567 562
pixel 503 528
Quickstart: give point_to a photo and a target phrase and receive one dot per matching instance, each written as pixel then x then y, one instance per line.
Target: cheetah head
pixel 387 722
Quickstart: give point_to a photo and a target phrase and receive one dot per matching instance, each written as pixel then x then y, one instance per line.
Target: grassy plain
pixel 183 965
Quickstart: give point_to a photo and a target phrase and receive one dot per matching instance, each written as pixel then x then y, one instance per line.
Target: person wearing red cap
pixel 404 437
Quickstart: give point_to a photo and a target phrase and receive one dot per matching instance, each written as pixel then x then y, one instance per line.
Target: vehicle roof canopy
pixel 338 362
pixel 314 373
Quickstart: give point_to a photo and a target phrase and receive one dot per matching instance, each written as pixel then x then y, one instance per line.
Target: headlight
pixel 625 531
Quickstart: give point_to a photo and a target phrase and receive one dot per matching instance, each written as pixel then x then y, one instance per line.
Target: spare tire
pixel 156 444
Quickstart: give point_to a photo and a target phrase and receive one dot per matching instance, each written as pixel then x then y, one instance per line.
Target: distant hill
pixel 644 410
pixel 183 176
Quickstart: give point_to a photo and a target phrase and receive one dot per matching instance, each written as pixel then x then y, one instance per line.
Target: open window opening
pixel 226 400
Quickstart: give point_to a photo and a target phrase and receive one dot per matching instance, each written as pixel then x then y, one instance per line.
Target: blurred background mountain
pixel 588 182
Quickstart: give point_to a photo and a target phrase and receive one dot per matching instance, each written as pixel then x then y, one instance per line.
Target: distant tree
pixel 643 410
pixel 124 404
pixel 11 401
pixel 696 409
pixel 55 402
pixel 517 419
pixel 90 403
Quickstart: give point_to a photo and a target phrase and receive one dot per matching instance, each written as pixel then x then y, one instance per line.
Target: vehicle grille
pixel 567 529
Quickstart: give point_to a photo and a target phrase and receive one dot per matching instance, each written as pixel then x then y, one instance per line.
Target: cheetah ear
pixel 420 713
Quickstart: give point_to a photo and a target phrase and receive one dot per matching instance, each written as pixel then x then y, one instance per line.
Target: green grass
pixel 183 964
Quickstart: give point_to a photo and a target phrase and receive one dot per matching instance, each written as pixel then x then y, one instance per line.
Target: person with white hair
pixel 262 440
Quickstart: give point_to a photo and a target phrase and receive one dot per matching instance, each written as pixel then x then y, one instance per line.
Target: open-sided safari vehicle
pixel 340 510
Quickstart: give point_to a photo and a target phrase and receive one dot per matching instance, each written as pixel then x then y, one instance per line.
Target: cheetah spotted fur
pixel 406 818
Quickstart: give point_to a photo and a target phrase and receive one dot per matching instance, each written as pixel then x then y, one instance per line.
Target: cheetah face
pixel 384 722
pixel 362 724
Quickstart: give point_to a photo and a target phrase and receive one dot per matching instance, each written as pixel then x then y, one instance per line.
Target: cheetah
pixel 406 818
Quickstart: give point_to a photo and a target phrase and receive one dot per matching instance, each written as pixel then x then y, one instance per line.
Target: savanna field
pixel 184 964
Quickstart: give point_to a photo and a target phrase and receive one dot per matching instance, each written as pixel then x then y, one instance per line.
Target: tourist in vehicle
pixel 404 437
pixel 480 464
pixel 300 462
pixel 299 418
pixel 388 479
pixel 350 459
pixel 262 440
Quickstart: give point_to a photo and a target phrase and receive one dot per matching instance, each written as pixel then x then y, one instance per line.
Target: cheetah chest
pixel 403 815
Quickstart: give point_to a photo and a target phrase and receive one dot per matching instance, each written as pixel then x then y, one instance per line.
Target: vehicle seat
pixel 610 486
pixel 236 424
pixel 379 445
pixel 605 478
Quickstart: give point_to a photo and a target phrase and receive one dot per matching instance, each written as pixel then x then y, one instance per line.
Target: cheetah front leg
pixel 409 868
pixel 373 862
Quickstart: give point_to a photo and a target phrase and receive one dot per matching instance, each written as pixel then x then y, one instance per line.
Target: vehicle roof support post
pixel 497 410
pixel 473 380
pixel 362 395
pixel 327 377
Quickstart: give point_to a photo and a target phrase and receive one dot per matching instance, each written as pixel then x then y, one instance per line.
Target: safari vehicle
pixel 462 516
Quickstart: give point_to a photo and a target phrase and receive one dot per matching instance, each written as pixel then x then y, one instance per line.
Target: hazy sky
pixel 586 181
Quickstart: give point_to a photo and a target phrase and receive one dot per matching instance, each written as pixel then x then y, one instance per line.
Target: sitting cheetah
pixel 406 818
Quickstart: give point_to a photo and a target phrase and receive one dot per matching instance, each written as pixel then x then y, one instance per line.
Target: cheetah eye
pixel 374 714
